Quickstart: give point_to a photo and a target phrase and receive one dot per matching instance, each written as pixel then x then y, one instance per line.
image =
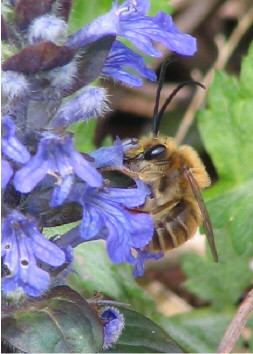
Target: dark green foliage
pixel 61 322
pixel 142 335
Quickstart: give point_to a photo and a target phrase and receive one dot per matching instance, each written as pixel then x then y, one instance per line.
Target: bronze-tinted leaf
pixel 91 61
pixel 4 30
pixel 40 56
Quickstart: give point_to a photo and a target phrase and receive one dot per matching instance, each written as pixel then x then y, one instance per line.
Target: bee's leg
pixel 151 177
pixel 124 171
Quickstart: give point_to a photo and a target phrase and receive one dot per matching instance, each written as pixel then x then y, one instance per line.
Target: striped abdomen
pixel 175 223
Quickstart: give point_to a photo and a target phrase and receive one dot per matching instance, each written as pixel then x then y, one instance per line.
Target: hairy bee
pixel 176 176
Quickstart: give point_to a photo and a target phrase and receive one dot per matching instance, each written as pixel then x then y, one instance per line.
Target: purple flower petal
pixel 144 256
pixel 130 197
pixel 128 20
pixel 92 223
pixel 11 146
pixel 56 157
pixel 85 170
pixel 22 245
pixel 105 216
pixel 109 156
pixel 6 173
pixel 30 175
pixel 61 192
pixel 172 39
pixel 120 56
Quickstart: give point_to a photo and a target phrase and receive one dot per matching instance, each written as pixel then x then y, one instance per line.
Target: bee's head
pixel 151 149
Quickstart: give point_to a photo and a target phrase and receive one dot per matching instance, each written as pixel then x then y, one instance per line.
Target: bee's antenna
pixel 157 116
pixel 158 92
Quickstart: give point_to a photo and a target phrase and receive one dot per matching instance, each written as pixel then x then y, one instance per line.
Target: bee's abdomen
pixel 174 226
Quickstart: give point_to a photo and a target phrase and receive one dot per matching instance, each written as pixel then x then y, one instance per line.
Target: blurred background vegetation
pixel 189 296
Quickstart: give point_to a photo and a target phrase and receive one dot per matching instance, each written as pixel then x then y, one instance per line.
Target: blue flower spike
pixel 45 88
pixel 56 157
pixel 22 246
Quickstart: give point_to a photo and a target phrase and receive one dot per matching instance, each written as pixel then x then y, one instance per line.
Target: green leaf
pixel 199 331
pixel 161 5
pixel 232 208
pixel 95 271
pixel 226 127
pixel 59 230
pixel 61 322
pixel 84 135
pixel 221 283
pixel 83 12
pixel 141 335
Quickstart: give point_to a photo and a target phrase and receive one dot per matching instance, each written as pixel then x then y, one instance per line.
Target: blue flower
pixel 11 145
pixel 22 246
pixel 56 157
pixel 6 173
pixel 109 155
pixel 129 21
pixel 113 156
pixel 142 257
pixel 113 325
pixel 121 56
pixel 107 215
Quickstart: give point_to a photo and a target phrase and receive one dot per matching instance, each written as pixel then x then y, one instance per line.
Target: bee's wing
pixel 206 220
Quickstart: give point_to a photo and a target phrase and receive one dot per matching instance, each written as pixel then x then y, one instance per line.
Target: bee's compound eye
pixel 154 152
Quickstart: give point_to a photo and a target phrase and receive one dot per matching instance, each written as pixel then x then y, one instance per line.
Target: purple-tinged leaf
pixel 91 59
pixel 37 57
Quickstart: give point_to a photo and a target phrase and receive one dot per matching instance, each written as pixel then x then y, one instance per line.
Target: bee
pixel 176 176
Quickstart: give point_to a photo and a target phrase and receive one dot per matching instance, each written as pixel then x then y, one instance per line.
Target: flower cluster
pixel 46 87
